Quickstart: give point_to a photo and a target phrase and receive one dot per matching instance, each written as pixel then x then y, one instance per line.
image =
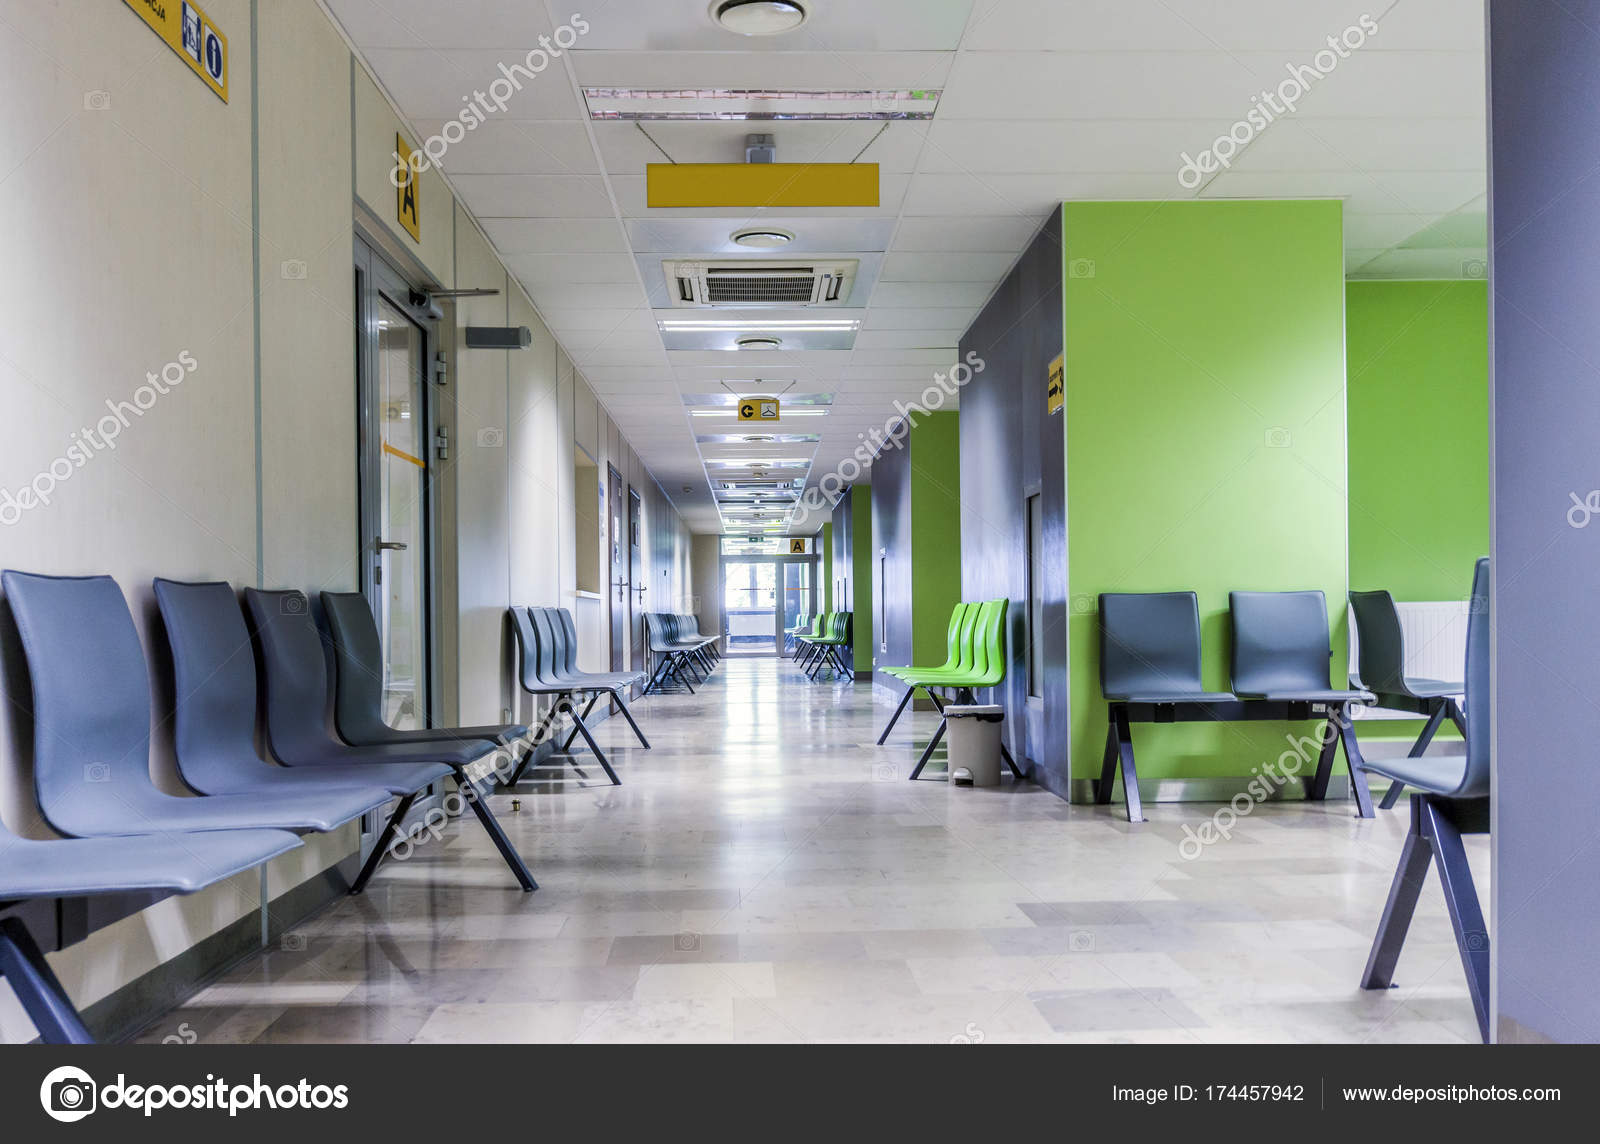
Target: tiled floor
pixel 767 874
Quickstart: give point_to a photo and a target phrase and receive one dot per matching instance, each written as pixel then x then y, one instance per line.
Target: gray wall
pixel 1545 440
pixel 1010 449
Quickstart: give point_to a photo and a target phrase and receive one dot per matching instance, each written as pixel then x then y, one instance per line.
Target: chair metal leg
pixel 523 764
pixel 600 756
pixel 628 715
pixel 1397 788
pixel 385 836
pixel 1330 747
pixel 927 752
pixel 497 834
pixel 1108 764
pixel 1005 753
pixel 1352 758
pixel 1460 720
pixel 1130 773
pixel 38 989
pixel 895 718
pixel 573 734
pixel 1398 910
pixel 677 671
pixel 1461 897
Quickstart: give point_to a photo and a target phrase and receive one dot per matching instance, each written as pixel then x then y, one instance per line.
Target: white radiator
pixel 1436 645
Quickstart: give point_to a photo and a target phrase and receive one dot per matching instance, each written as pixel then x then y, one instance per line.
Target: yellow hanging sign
pixel 758 409
pixel 189 32
pixel 407 207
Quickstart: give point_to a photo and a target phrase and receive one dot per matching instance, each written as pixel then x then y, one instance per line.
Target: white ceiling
pixel 1044 100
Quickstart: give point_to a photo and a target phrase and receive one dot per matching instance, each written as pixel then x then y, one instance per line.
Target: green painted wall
pixel 1419 435
pixel 861 558
pixel 935 449
pixel 1205 424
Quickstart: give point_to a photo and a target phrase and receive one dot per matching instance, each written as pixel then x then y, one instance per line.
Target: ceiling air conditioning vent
pixel 747 284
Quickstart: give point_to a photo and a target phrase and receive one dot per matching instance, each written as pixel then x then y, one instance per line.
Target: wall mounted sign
pixel 407 203
pixel 189 32
pixel 799 547
pixel 1055 391
pixel 758 409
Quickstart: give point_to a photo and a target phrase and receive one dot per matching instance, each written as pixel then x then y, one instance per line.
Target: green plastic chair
pixel 961 617
pixel 837 635
pixel 802 639
pixel 985 667
pixel 791 634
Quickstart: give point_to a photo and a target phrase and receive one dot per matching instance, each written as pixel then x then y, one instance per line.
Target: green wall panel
pixel 935 533
pixel 825 568
pixel 1205 424
pixel 861 560
pixel 1419 436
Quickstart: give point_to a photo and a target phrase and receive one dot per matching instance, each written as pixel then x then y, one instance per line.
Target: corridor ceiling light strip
pixel 634 104
pixel 757 326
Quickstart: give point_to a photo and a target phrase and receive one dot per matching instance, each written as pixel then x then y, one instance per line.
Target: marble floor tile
pixel 767 874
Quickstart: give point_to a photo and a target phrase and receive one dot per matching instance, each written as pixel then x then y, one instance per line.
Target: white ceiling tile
pixel 1401 85
pixel 627 147
pixel 516 146
pixel 769 70
pixel 1427 264
pixel 556 235
pixel 983 146
pixel 1320 144
pixel 684 25
pixel 953 295
pixel 554 269
pixel 562 319
pixel 1380 231
pixel 707 236
pixel 599 296
pixel 434 84
pixel 1419 192
pixel 961 232
pixel 459 24
pixel 961 267
pixel 534 196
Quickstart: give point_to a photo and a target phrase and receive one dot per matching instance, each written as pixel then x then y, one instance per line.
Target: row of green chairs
pixel 802 624
pixel 826 645
pixel 975 658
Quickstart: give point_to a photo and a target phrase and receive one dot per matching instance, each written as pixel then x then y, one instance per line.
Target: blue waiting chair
pixel 297 695
pixel 1452 799
pixel 214 723
pixel 563 635
pixel 91 713
pixel 177 863
pixel 537 674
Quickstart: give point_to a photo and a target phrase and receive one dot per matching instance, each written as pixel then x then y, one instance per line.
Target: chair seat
pixel 1175 697
pixel 1311 696
pixel 396 778
pixel 604 680
pixel 451 754
pixel 1435 688
pixel 183 863
pixel 475 737
pixel 320 810
pixel 1437 774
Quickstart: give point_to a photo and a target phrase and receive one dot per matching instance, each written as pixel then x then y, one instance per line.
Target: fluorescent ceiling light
pixel 711 412
pixel 715 103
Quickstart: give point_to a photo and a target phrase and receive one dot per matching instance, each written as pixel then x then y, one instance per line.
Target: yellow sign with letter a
pixel 189 32
pixel 407 205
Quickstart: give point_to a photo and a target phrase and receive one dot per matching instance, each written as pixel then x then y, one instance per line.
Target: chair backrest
pixel 1380 645
pixel 545 647
pixel 91 700
pixel 1149 643
pixel 1280 641
pixel 1475 780
pixel 294 669
pixel 569 641
pixel 358 667
pixel 214 672
pixel 993 641
pixel 655 631
pixel 527 649
pixel 952 654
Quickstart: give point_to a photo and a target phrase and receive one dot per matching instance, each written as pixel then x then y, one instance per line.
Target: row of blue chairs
pixel 91 749
pixel 681 652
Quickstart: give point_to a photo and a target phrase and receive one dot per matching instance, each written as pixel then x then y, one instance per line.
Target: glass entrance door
pixel 750 607
pixel 395 485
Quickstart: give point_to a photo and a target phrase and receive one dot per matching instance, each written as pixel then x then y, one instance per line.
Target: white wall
pixel 129 241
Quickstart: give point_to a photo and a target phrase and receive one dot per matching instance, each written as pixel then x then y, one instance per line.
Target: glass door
pixel 395 484
pixel 750 607
pixel 796 594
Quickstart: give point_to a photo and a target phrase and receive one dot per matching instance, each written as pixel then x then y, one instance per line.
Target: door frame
pixel 619 600
pixel 377 278
pixel 638 581
pixel 779 559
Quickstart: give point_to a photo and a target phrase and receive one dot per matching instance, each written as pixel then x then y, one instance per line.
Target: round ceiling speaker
pixel 760 342
pixel 762 239
pixel 758 17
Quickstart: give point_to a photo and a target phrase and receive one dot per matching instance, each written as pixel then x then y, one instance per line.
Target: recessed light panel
pixel 760 104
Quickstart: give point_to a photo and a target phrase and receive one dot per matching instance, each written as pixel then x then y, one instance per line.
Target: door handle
pixel 389 545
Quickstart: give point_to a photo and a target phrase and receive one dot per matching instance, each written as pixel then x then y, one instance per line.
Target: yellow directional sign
pixel 758 409
pixel 797 547
pixel 189 32
pixel 1056 388
pixel 406 206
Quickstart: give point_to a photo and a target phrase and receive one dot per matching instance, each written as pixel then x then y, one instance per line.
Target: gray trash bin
pixel 974 731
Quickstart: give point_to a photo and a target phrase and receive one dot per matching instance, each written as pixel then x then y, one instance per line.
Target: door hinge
pixel 441 442
pixel 441 369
